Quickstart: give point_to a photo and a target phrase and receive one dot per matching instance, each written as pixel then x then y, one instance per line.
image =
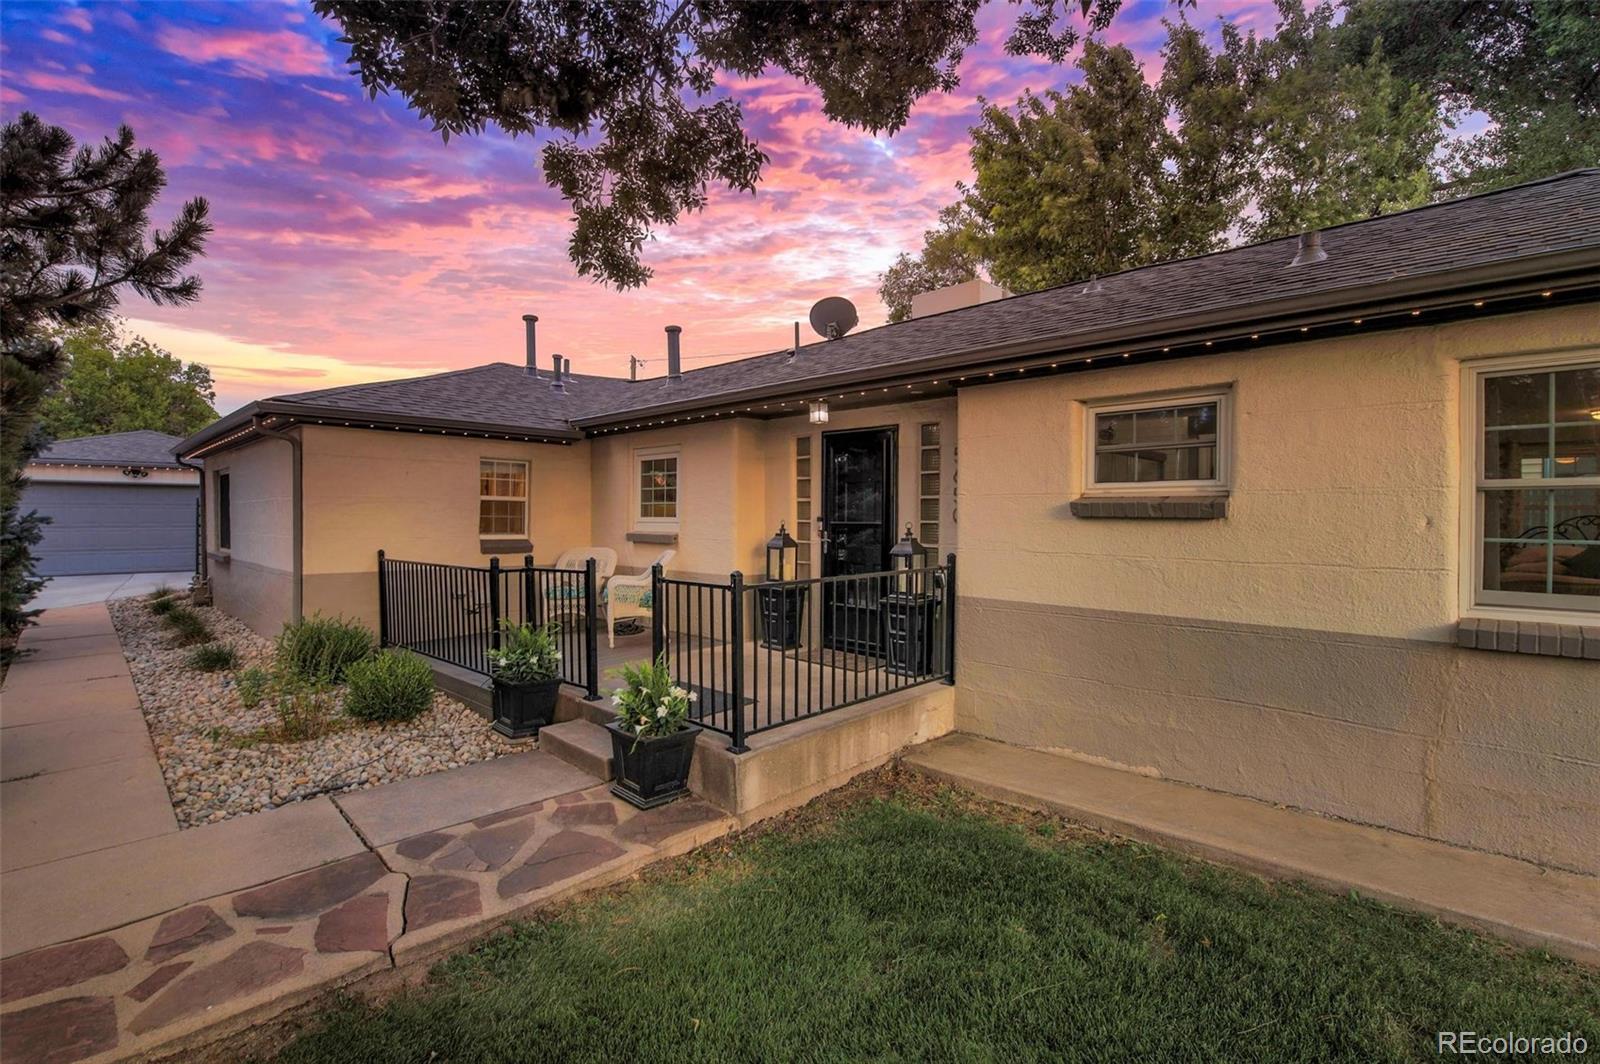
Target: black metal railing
pixel 760 656
pixel 453 613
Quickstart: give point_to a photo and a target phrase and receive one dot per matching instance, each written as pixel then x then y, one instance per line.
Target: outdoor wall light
pixel 819 412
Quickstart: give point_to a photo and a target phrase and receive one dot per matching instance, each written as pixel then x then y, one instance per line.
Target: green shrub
pixel 304 708
pixel 213 657
pixel 322 648
pixel 252 685
pixel 188 627
pixel 527 653
pixel 163 606
pixel 393 685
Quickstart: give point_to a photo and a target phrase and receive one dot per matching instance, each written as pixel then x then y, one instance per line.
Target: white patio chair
pixel 629 596
pixel 566 597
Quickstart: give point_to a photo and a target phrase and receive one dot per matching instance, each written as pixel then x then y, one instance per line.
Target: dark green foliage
pixel 527 653
pixel 73 235
pixel 322 648
pixel 164 605
pixel 1531 66
pixel 1253 138
pixel 188 627
pixel 119 383
pixel 902 930
pixel 636 91
pixel 390 686
pixel 213 657
pixel 253 684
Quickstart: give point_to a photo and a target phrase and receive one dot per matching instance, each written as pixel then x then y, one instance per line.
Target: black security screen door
pixel 858 530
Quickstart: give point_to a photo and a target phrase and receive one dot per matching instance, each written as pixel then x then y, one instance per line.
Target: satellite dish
pixel 833 317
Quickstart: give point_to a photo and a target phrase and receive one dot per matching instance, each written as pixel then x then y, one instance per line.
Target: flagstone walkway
pixel 129 936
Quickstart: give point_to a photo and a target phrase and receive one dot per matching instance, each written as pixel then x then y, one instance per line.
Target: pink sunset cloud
pixel 350 240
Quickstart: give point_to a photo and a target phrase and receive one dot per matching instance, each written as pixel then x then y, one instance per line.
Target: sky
pixel 353 245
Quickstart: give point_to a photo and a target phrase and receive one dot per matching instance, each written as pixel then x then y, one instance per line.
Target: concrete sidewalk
pixel 63 591
pixel 1542 907
pixel 121 935
pixel 79 771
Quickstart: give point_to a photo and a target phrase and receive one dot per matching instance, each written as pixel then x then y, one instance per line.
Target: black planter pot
pixel 520 710
pixel 651 772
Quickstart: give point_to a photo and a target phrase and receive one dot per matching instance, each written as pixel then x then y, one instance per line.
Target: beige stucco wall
pixel 253 580
pixel 1298 650
pixel 416 497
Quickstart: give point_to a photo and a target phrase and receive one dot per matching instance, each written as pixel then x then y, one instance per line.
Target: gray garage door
pixel 114 528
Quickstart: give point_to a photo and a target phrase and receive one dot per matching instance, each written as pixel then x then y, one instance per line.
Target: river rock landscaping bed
pixel 217 766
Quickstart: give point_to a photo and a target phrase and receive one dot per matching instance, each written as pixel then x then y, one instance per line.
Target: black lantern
pixel 908 610
pixel 780 554
pixel 781 603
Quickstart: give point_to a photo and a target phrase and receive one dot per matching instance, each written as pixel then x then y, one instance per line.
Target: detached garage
pixel 117 504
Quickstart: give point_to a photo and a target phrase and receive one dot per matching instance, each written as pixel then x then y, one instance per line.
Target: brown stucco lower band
pixel 260 596
pixel 1494 751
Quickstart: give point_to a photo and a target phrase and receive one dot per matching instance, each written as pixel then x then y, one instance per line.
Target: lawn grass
pixel 903 922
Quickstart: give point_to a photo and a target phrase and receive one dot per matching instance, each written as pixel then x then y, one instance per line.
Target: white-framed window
pixel 502 498
pixel 1531 526
pixel 1158 446
pixel 657 487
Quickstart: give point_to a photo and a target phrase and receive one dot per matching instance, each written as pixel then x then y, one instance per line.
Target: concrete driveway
pixel 64 591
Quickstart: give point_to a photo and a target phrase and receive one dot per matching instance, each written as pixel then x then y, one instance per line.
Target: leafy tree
pixel 1339 141
pixel 947 258
pixel 634 90
pixel 118 384
pixel 73 236
pixel 1254 138
pixel 1531 66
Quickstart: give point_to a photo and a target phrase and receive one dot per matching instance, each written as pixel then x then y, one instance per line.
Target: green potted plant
pixel 652 741
pixel 526 671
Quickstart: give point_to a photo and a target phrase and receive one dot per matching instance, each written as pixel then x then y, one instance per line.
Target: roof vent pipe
pixel 557 384
pixel 529 321
pixel 1310 249
pixel 674 355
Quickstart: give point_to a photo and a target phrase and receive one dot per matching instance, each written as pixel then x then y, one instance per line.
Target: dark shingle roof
pixel 1478 240
pixel 498 394
pixel 1559 213
pixel 140 448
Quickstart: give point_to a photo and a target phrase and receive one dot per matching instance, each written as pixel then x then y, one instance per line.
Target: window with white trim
pixel 658 487
pixel 1536 535
pixel 1175 443
pixel 502 497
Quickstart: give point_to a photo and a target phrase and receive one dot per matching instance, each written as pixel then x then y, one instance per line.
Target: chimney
pixel 633 367
pixel 1310 249
pixel 529 321
pixel 557 384
pixel 956 296
pixel 674 357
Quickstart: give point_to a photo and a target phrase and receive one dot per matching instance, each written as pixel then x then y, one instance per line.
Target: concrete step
pixel 465 686
pixel 581 743
pixel 573 706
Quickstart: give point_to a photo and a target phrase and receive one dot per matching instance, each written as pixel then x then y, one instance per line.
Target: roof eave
pixel 1519 274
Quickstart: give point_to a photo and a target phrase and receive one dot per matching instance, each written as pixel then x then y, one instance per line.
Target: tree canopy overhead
pixel 633 88
pixel 74 236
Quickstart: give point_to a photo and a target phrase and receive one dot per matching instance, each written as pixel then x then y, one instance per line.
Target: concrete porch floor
pixel 1525 903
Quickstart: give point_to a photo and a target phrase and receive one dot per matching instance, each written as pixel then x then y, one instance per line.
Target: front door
pixel 857 532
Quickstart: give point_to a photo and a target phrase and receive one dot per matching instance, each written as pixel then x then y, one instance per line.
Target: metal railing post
pixel 950 620
pixel 736 587
pixel 494 603
pixel 591 643
pixel 383 602
pixel 658 617
pixel 527 590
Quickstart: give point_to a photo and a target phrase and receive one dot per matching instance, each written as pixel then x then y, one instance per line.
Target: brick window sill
pixel 1543 638
pixel 1152 507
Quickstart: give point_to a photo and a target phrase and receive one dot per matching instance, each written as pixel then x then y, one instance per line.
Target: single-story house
pixel 1314 520
pixel 118 503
